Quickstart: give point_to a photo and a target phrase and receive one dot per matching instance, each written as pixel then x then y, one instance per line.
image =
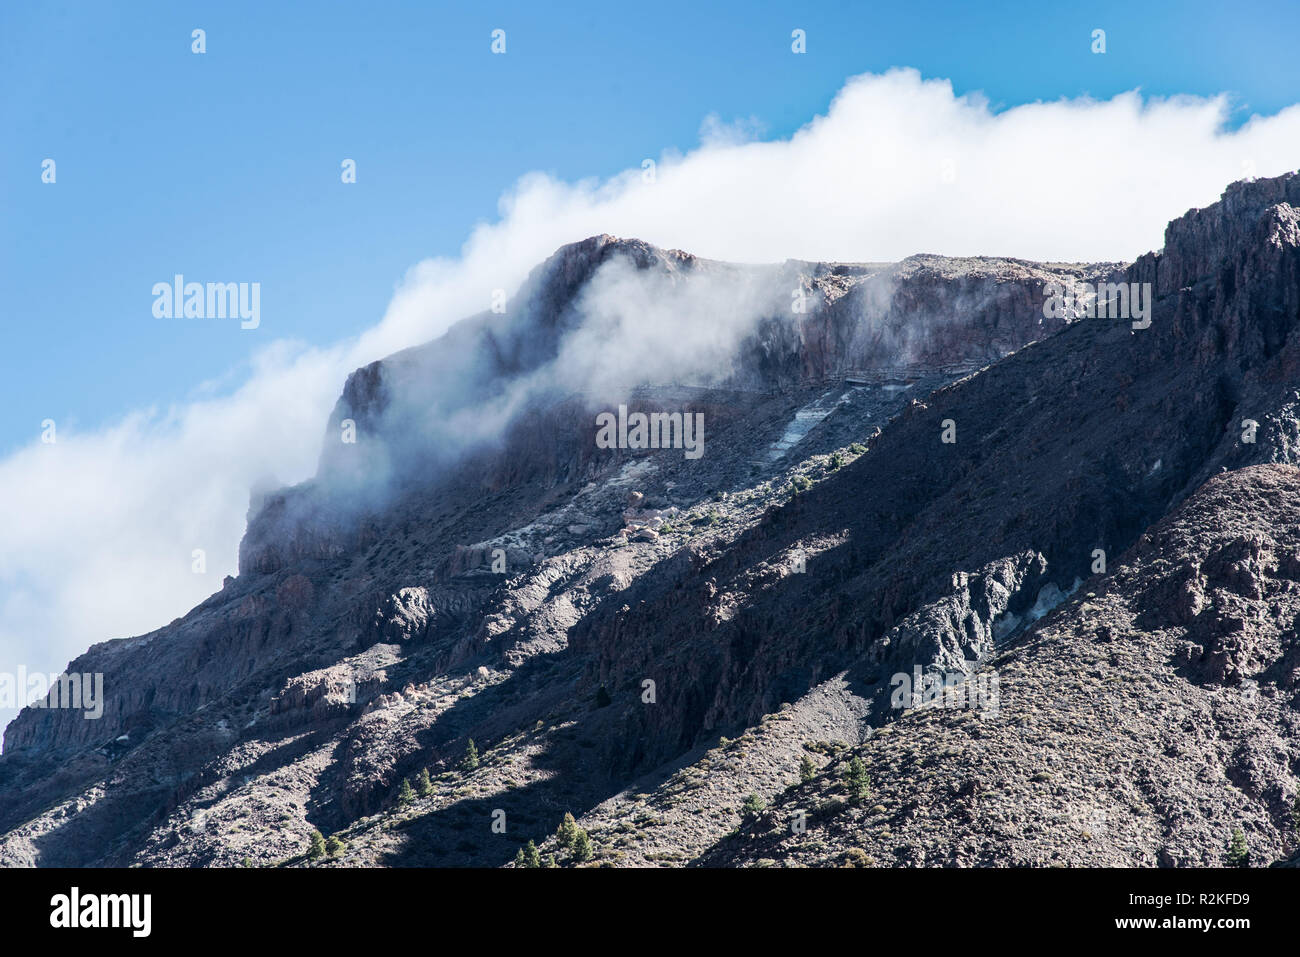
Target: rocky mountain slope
pixel 1083 529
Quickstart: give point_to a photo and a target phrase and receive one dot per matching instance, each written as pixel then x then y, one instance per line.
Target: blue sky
pixel 226 165
pixel 963 129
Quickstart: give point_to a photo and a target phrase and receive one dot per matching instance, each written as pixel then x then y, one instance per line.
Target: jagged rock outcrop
pixel 597 619
pixel 913 318
pixel 1121 738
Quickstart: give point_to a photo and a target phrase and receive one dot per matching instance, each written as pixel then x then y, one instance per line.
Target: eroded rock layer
pixel 1086 531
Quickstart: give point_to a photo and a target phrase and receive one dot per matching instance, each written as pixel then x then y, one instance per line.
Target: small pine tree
pixel 423 784
pixel 470 761
pixel 532 858
pixel 520 860
pixel 582 849
pixel 753 806
pixel 857 780
pixel 317 846
pixel 334 847
pixel 405 796
pixel 551 861
pixel 807 770
pixel 1238 852
pixel 566 832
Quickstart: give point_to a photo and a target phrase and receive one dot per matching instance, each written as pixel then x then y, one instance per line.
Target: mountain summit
pixel 958 579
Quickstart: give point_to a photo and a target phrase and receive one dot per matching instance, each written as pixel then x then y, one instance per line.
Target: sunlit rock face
pixel 907 471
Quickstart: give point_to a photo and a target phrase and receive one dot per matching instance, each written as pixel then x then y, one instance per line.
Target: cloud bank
pixel 101 527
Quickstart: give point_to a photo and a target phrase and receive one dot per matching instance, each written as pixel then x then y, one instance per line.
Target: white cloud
pixel 101 526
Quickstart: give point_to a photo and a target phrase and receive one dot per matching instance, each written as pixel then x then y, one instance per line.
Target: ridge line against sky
pixel 225 164
pixel 105 521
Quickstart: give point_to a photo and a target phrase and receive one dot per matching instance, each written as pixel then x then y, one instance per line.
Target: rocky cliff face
pixel 645 639
pixel 925 317
pixel 1138 725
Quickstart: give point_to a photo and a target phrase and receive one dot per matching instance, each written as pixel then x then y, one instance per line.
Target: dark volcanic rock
pixel 1109 751
pixel 1109 536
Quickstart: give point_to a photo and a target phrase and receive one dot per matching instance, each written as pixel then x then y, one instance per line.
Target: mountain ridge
pixel 360 645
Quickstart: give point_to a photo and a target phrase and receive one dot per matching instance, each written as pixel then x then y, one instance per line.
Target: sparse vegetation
pixel 567 832
pixel 530 855
pixel 857 780
pixel 315 846
pixel 752 806
pixel 470 761
pixel 801 483
pixel 856 857
pixel 423 785
pixel 807 770
pixel 334 847
pixel 1238 851
pixel 574 839
pixel 836 461
pixel 582 848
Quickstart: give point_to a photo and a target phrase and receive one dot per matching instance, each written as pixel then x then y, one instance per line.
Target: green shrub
pixel 1238 852
pixel 856 857
pixel 857 780
pixel 752 806
pixel 801 483
pixel 807 770
pixel 316 848
pixel 405 796
pixel 423 784
pixel 334 847
pixel 836 461
pixel 582 849
pixel 567 832
pixel 470 761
